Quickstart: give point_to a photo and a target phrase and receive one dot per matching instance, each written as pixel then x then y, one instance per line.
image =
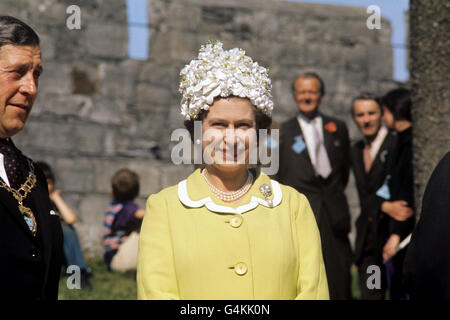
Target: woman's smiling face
pixel 228 133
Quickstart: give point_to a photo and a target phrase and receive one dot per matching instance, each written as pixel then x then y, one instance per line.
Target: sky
pixel 138 31
pixel 393 10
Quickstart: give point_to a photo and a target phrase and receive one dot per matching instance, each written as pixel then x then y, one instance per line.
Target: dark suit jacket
pixel 372 225
pixel 427 262
pixel 326 196
pixel 401 181
pixel 30 265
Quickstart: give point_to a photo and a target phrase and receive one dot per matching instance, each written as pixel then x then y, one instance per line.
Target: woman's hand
pixel 391 246
pixel 397 210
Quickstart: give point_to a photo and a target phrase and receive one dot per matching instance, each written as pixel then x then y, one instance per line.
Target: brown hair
pixel 366 96
pixel 16 32
pixel 125 185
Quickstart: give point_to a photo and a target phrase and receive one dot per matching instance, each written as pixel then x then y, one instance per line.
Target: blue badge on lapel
pixel 299 145
pixel 384 192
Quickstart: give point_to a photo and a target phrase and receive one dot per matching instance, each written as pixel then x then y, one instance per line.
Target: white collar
pixel 303 118
pixel 212 206
pixel 378 141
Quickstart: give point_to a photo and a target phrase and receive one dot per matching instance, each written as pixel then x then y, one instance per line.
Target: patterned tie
pixel 367 158
pixel 322 165
pixel 12 163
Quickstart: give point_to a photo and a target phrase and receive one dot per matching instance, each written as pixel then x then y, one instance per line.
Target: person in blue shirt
pixel 122 222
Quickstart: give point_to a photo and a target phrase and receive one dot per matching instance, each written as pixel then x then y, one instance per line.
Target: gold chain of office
pixel 21 194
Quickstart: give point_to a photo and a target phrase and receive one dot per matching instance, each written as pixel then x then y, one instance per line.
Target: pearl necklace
pixel 233 195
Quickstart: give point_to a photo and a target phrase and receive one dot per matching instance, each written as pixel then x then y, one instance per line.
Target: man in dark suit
pixel 370 164
pixel 314 160
pixel 30 232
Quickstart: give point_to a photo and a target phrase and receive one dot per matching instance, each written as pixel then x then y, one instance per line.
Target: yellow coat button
pixel 236 221
pixel 240 268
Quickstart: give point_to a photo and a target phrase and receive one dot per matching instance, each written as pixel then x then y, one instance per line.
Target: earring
pixel 198 141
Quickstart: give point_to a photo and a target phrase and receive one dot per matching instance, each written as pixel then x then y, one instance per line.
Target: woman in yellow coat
pixel 228 231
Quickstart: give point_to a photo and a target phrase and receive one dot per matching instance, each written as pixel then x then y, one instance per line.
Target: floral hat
pixel 217 72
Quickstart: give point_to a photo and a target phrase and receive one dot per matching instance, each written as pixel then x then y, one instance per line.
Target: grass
pixel 355 285
pixel 107 285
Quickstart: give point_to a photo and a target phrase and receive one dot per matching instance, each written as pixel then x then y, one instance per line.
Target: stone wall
pixel 99 111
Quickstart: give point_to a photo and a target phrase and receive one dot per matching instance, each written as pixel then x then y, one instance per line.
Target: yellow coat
pixel 195 246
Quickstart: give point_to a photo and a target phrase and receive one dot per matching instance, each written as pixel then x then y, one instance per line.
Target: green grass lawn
pixel 114 286
pixel 355 286
pixel 106 285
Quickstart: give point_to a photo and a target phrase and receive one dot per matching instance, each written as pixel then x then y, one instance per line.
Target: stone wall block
pixel 75 177
pixel 172 174
pixel 112 46
pixel 150 97
pixel 62 106
pixel 160 47
pixel 148 171
pixel 185 18
pixel 88 138
pixel 106 111
pixel 119 80
pixel 380 61
pixel 56 78
pixel 49 136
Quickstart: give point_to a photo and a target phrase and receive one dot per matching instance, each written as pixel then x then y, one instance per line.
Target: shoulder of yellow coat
pixel 297 200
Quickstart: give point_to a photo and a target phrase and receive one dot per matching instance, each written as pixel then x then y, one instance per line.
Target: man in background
pixel 314 159
pixel 370 161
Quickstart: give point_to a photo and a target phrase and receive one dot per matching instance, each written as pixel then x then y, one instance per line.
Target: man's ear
pixel 110 191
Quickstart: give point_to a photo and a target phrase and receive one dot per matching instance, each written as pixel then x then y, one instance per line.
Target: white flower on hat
pixel 217 72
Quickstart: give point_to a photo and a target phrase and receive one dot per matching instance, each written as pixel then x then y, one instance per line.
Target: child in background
pixel 72 248
pixel 122 223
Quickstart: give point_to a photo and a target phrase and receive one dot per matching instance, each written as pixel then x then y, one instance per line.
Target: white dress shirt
pixel 308 134
pixel 378 141
pixel 3 174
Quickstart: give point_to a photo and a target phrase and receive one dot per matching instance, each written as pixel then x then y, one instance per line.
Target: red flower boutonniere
pixel 331 127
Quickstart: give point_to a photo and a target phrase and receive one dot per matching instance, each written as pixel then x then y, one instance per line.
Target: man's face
pixel 367 116
pixel 20 68
pixel 307 95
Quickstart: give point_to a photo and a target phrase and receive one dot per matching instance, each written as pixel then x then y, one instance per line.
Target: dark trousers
pixel 394 276
pixel 72 248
